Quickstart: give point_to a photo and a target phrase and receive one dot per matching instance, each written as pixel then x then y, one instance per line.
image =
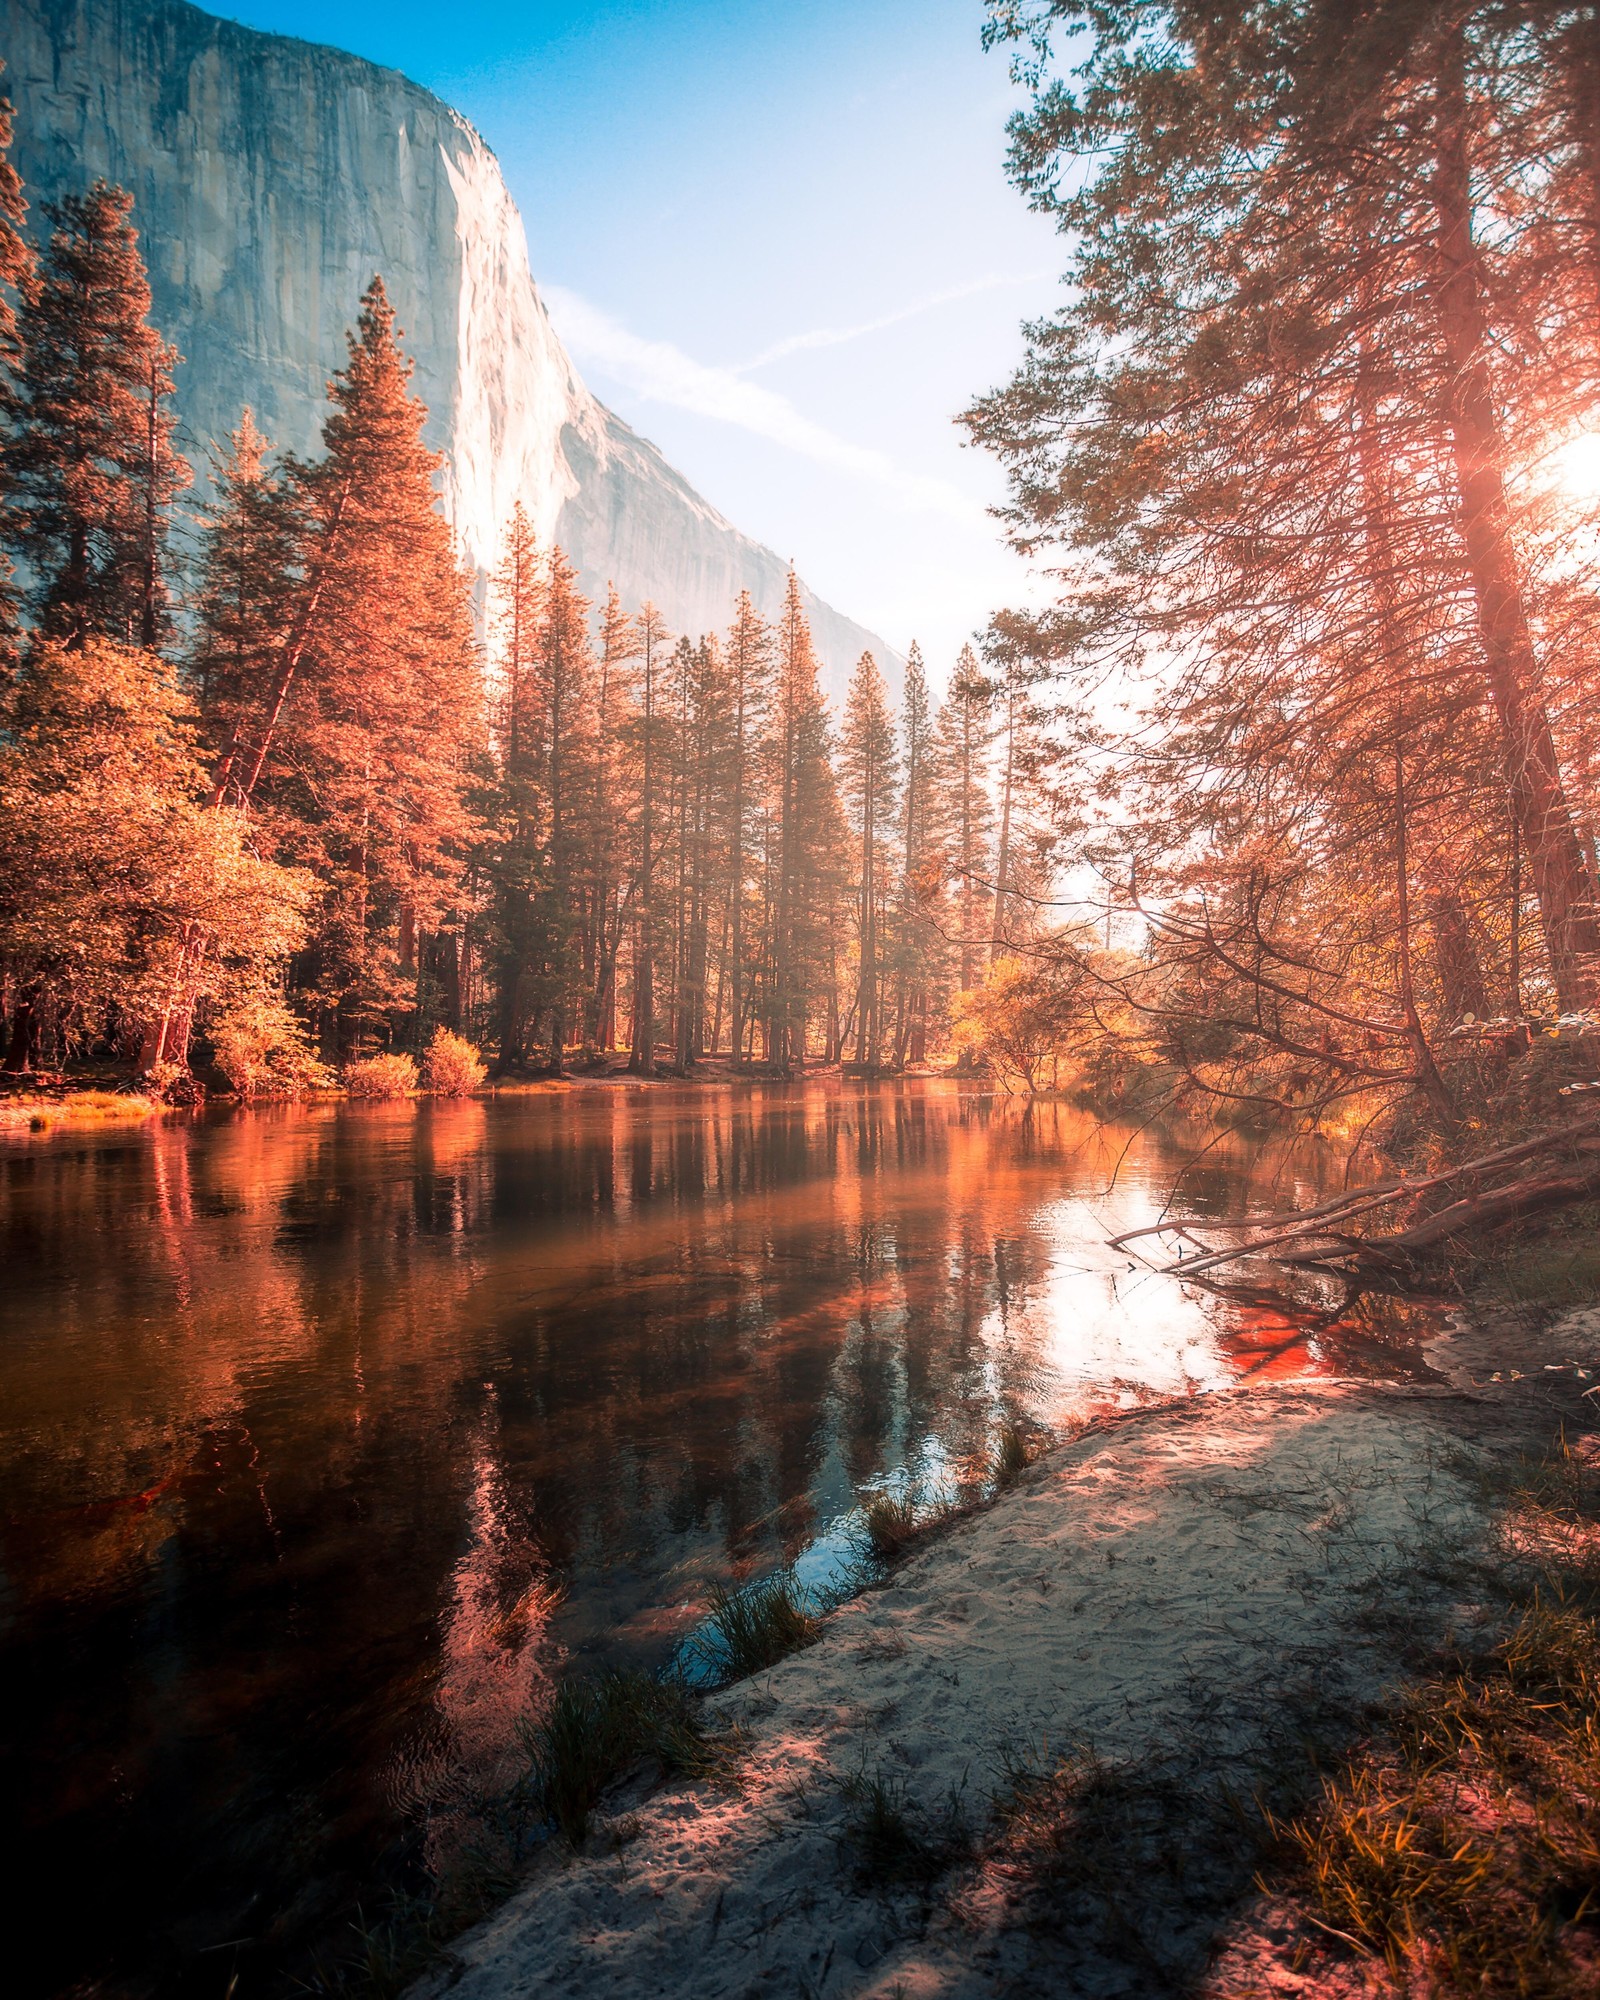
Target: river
pixel 330 1434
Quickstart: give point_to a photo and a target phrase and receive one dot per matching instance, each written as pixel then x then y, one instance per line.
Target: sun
pixel 1575 467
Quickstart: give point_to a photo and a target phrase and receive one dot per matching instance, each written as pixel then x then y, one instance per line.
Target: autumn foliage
pixel 1306 450
pixel 293 808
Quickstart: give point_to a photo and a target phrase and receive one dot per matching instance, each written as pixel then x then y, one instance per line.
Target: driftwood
pixel 1314 1238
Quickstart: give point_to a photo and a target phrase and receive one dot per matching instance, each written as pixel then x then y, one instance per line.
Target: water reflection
pixel 329 1434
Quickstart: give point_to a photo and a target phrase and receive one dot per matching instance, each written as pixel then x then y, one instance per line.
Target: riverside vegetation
pixel 275 814
pixel 1318 500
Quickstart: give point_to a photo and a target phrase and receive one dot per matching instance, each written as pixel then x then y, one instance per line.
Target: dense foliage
pixel 280 811
pixel 1310 447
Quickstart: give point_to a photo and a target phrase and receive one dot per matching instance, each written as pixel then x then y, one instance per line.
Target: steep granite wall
pixel 271 178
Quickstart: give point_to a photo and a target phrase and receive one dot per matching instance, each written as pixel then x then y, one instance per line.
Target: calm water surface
pixel 329 1435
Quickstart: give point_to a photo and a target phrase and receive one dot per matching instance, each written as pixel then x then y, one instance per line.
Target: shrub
pixel 380 1076
pixel 452 1067
pixel 259 1043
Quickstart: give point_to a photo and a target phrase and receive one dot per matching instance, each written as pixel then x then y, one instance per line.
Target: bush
pixel 259 1043
pixel 380 1076
pixel 452 1067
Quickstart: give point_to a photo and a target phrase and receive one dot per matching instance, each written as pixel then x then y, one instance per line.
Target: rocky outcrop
pixel 271 178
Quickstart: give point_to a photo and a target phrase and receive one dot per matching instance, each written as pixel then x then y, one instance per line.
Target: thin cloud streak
pixel 836 336
pixel 655 369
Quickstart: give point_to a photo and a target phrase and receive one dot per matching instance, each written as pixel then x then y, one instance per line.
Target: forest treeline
pixel 1311 448
pixel 1314 450
pixel 279 806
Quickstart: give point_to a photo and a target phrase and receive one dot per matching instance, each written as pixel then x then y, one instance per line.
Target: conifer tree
pixel 917 942
pixel 517 833
pixel 16 263
pixel 614 687
pixel 804 842
pixel 652 761
pixel 867 772
pixel 247 587
pixel 965 736
pixel 391 707
pixel 1307 244
pixel 703 738
pixel 16 255
pixel 1020 756
pixel 566 666
pixel 749 655
pixel 93 465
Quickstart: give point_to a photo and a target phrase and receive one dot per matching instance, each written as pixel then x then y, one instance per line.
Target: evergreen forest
pixel 278 807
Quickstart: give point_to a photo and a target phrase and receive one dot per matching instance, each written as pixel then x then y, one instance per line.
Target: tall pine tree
pixel 16 262
pixel 867 779
pixel 390 711
pixel 93 466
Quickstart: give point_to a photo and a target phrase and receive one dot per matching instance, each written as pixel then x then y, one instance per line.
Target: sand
pixel 1175 1594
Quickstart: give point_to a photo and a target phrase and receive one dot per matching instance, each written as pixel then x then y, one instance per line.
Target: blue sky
pixel 778 240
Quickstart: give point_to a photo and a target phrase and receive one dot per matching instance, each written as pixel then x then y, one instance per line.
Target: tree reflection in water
pixel 331 1433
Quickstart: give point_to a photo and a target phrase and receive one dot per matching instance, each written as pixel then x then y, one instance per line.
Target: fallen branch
pixel 1481 1210
pixel 1475 1215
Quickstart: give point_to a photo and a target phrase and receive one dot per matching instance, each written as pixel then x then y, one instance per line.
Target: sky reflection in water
pixel 328 1435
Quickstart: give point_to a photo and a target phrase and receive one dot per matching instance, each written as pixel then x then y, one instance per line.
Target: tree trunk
pixel 24 1043
pixel 1555 858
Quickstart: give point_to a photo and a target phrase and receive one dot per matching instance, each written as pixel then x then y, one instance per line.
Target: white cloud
pixel 654 369
pixel 836 336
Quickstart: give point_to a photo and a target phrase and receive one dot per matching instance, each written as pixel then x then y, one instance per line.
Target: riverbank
pixel 31 1111
pixel 67 1102
pixel 1036 1758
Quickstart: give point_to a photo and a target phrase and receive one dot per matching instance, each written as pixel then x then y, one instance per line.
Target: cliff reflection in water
pixel 328 1434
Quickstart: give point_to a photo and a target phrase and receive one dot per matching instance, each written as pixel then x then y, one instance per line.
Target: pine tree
pixel 965 815
pixel 515 851
pixel 1311 242
pixel 749 655
pixel 703 740
pixel 804 841
pixel 16 265
pixel 614 692
pixel 868 771
pixel 1021 757
pixel 566 669
pixel 248 587
pixel 391 707
pixel 16 257
pixel 652 761
pixel 919 891
pixel 93 464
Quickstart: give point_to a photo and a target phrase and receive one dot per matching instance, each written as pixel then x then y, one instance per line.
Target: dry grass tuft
pixel 598 1731
pixel 895 1843
pixel 28 1113
pixel 1465 1850
pixel 890 1523
pixel 1462 1849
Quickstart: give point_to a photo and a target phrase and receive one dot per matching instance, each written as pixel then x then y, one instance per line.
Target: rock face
pixel 271 178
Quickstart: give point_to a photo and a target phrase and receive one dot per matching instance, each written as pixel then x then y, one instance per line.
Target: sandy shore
pixel 1177 1599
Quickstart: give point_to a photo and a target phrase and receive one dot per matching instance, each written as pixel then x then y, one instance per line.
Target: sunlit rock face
pixel 271 179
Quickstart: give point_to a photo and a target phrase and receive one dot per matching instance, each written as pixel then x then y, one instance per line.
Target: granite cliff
pixel 271 178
